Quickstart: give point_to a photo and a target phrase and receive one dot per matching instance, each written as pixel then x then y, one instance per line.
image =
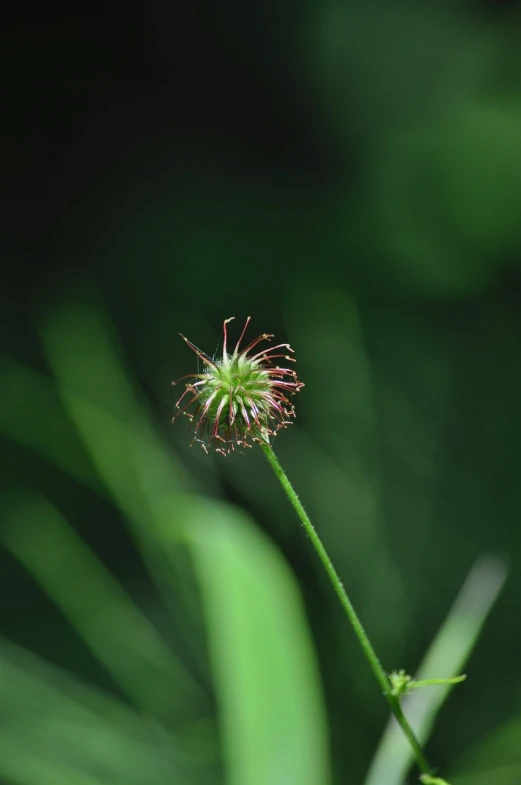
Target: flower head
pixel 242 397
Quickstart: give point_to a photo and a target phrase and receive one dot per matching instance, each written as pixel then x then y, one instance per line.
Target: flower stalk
pixel 351 614
pixel 242 399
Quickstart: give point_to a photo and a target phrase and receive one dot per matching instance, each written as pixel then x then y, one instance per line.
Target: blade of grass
pixel 501 774
pixel 98 607
pixel 39 725
pixel 52 436
pixel 134 463
pixel 44 706
pixel 267 682
pixel 97 393
pixel 494 758
pixel 77 755
pixel 22 766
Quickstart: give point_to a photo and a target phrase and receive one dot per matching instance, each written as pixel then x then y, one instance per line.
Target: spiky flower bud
pixel 242 397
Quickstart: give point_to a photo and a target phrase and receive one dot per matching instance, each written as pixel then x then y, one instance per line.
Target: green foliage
pixel 270 711
pixel 271 714
pixel 373 206
pixel 449 651
pixel 266 678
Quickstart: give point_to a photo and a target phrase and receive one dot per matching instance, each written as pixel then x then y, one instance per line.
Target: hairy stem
pixel 342 595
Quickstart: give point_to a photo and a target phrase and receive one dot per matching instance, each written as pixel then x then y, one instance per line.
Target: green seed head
pixel 241 398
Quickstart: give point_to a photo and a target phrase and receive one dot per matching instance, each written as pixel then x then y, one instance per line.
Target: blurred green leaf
pixel 53 727
pixel 138 468
pixel 495 759
pixel 43 425
pixel 268 686
pixel 132 459
pixel 267 681
pixel 502 774
pixel 98 608
pixel 339 455
pixel 446 657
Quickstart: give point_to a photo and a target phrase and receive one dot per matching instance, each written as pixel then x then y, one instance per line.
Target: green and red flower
pixel 241 398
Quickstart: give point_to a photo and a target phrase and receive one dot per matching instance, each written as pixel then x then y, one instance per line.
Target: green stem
pixel 342 595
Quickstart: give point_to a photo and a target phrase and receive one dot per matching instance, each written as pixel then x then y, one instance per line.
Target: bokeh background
pixel 348 174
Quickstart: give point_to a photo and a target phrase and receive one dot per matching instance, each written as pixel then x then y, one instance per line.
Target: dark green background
pixel 349 174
